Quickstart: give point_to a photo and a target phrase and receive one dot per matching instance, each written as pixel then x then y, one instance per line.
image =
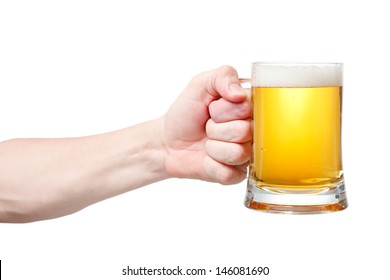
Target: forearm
pixel 48 178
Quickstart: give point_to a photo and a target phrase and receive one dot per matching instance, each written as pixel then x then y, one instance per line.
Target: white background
pixel 74 68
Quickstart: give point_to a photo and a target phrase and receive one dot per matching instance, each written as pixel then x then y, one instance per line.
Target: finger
pixel 222 173
pixel 228 153
pixel 222 110
pixel 238 131
pixel 221 82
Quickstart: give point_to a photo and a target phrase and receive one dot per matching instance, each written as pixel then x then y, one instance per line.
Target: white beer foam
pixel 297 74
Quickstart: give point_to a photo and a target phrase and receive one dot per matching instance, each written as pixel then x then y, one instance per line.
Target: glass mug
pixel 296 163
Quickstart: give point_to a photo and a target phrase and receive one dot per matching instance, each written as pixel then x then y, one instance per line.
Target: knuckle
pixel 237 154
pixel 209 127
pixel 227 69
pixel 241 132
pixel 243 110
pixel 242 153
pixel 225 176
pixel 230 175
pixel 214 112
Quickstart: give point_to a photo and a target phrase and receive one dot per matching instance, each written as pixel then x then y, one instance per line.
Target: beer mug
pixel 296 163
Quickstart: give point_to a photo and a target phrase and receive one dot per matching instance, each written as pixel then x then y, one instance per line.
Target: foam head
pixel 297 74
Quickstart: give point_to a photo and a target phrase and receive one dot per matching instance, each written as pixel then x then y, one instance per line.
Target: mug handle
pixel 246 84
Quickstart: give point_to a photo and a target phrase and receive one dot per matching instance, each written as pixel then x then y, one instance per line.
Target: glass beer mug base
pixel 296 200
pixel 296 163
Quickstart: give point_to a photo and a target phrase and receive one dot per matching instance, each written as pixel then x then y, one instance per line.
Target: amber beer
pixel 296 163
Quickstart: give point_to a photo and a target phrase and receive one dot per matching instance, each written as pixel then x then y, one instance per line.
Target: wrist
pixel 154 148
pixel 146 150
pixel 132 157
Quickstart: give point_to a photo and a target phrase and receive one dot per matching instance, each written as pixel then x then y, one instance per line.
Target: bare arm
pixel 204 135
pixel 46 178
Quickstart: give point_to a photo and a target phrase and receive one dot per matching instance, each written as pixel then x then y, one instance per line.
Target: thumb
pixel 222 82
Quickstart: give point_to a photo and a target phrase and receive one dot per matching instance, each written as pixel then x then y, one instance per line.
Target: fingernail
pixel 236 89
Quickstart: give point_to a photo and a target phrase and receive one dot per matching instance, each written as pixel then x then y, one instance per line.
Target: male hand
pixel 207 131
